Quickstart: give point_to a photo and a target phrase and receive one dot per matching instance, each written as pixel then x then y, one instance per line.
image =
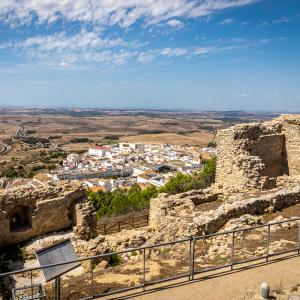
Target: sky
pixel 151 54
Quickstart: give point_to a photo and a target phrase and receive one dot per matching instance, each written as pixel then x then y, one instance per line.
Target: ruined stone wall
pixel 276 200
pixel 174 217
pixel 252 156
pixel 291 130
pixel 46 209
pixel 171 217
pixel 86 221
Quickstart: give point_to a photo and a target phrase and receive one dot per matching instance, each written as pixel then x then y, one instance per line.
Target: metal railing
pixel 118 225
pixel 191 263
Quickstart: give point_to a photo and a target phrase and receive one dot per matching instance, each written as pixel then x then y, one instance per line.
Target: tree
pixel 177 184
pixel 121 201
pixel 207 176
pixel 182 183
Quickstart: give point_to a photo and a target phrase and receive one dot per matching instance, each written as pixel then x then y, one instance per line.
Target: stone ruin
pixel 258 170
pixel 27 212
pixel 252 156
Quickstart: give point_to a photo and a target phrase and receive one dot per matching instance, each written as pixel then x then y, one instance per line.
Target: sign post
pixel 62 252
pixel 57 288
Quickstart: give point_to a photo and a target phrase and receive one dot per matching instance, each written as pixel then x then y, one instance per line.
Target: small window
pixel 20 218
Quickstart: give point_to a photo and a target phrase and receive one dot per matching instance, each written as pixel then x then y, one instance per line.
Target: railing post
pixel 144 268
pixel 232 250
pixel 268 243
pixel 92 276
pixel 192 258
pixel 31 283
pixel 298 236
pixel 132 222
pixel 119 224
pixel 104 228
pixel 57 288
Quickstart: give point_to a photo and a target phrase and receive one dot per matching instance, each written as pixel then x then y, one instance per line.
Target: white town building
pixel 98 151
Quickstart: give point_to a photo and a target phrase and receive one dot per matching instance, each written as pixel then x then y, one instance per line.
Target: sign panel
pixel 58 253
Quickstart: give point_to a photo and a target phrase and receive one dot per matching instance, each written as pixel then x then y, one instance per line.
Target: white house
pixel 98 151
pixel 106 184
pixel 126 147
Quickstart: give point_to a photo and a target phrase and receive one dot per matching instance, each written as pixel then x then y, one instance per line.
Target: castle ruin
pixel 27 212
pixel 252 156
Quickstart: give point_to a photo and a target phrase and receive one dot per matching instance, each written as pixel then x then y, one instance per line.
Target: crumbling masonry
pixel 27 212
pixel 252 156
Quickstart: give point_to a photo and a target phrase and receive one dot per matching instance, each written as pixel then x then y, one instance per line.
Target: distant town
pixel 121 165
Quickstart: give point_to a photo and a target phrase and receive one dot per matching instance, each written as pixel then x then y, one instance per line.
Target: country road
pixel 4 148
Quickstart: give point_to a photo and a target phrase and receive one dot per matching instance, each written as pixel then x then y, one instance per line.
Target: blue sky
pixel 192 54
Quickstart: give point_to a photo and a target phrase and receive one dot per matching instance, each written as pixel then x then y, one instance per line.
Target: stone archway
pixel 20 218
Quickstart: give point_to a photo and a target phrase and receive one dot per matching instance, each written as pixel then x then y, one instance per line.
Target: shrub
pixel 115 260
pixel 212 144
pixel 121 201
pixel 182 183
pixel 79 140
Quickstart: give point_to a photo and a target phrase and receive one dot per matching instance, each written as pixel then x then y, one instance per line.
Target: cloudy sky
pixel 193 54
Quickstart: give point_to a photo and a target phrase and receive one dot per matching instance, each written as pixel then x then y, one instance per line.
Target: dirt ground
pixel 236 285
pixel 188 126
pixel 201 138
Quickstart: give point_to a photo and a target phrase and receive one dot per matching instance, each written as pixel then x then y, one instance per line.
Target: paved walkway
pixel 229 286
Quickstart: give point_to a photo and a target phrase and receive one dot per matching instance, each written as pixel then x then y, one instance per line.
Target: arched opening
pixel 20 218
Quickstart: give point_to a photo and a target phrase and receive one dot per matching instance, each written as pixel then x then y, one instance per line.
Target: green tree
pixel 121 201
pixel 207 175
pixel 177 184
pixel 182 183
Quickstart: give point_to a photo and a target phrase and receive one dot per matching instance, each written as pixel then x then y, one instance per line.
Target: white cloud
pixel 69 50
pixel 283 20
pixel 86 49
pixel 65 65
pixel 226 22
pixel 264 41
pixel 175 23
pixel 61 41
pixel 145 57
pixel 203 50
pixel 238 40
pixel 241 95
pixel 173 52
pixel 107 12
pixel 65 49
pixel 245 23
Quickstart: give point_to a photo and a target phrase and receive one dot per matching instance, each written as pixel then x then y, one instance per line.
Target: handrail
pixel 191 257
pixel 149 247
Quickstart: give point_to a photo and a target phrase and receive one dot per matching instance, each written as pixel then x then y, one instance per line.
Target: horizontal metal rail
pixel 118 225
pixel 191 257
